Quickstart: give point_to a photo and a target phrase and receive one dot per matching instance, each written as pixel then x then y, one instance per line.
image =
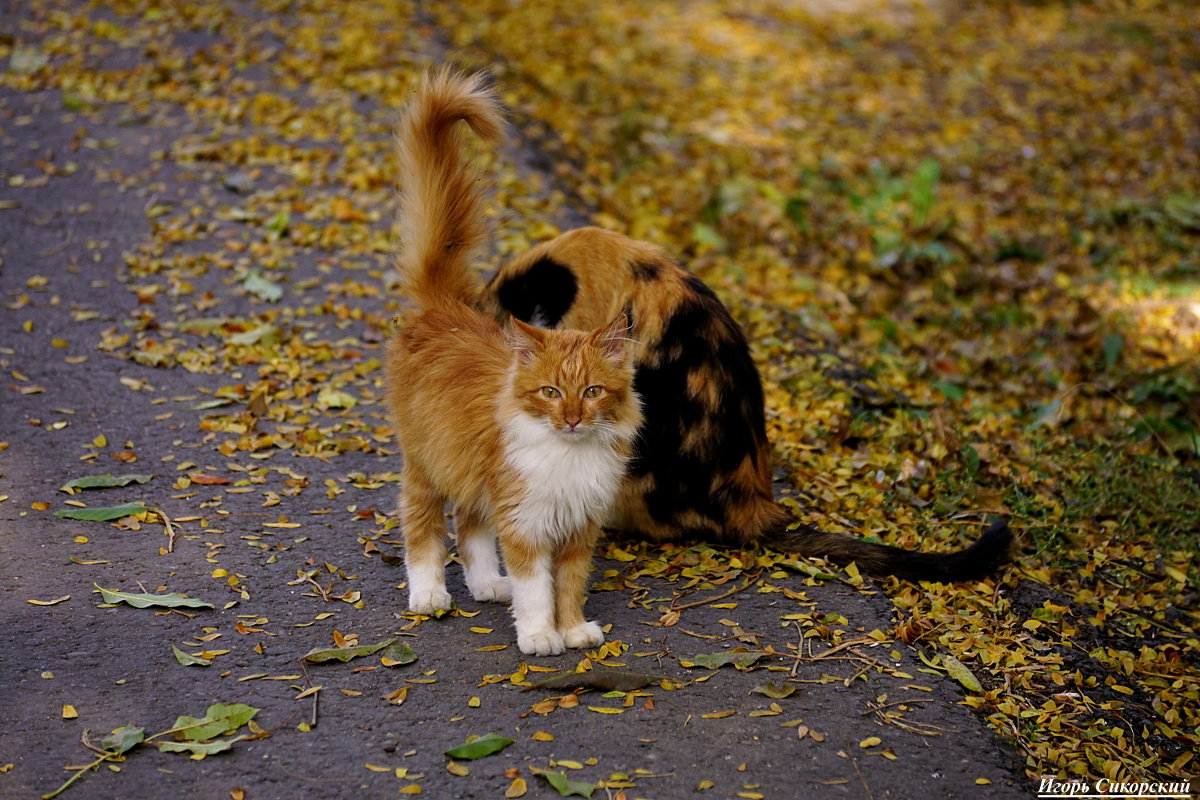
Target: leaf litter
pixel 195 736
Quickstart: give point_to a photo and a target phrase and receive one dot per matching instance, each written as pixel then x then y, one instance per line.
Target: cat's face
pixel 577 383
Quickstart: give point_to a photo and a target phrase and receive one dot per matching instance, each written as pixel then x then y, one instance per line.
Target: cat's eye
pixel 592 392
pixel 550 392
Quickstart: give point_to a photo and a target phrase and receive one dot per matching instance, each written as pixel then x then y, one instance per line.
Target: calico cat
pixel 527 432
pixel 701 466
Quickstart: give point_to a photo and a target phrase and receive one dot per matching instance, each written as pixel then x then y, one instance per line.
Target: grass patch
pixel 1134 497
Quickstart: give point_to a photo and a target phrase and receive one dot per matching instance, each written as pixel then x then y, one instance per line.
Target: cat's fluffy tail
pixel 441 200
pixel 979 560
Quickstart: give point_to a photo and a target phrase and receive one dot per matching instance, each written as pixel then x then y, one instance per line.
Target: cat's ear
pixel 614 338
pixel 523 339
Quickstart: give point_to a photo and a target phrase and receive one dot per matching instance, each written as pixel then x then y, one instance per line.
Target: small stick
pixel 862 778
pixel 749 582
pixel 316 697
pixel 170 529
pixel 876 707
pixel 799 648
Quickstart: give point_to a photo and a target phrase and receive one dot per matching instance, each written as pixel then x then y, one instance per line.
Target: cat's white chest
pixel 568 484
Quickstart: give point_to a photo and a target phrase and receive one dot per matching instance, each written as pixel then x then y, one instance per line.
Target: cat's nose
pixel 572 422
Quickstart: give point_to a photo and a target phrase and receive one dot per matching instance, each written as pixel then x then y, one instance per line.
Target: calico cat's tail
pixel 979 560
pixel 441 202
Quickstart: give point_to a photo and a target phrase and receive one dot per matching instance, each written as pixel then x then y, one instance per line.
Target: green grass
pixel 1141 497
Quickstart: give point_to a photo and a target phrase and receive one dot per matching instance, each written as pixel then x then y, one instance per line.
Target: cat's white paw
pixel 429 601
pixel 541 643
pixel 497 590
pixel 589 634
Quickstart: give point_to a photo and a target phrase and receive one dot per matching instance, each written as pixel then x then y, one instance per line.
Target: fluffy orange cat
pixel 526 432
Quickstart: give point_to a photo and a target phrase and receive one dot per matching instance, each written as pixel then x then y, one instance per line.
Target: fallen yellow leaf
pixel 53 602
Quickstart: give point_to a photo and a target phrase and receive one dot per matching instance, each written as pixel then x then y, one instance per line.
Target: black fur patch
pixel 701 335
pixel 645 270
pixel 542 294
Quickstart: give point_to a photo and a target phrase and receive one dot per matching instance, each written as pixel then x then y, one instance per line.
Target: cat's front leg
pixel 481 563
pixel 532 597
pixel 424 545
pixel 572 562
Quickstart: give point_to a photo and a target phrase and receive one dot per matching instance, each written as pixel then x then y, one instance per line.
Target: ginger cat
pixel 526 432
